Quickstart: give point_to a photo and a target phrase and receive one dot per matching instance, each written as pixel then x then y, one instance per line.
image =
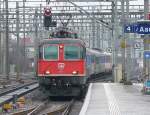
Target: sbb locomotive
pixel 65 65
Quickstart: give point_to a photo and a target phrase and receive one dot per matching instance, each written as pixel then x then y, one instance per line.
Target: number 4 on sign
pixel 129 28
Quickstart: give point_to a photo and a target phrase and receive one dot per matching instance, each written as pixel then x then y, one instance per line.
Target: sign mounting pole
pixel 146 45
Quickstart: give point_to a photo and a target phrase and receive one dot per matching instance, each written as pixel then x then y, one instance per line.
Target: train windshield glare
pixel 50 52
pixel 73 52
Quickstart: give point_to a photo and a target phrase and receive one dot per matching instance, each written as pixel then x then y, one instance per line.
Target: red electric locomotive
pixel 65 64
pixel 61 66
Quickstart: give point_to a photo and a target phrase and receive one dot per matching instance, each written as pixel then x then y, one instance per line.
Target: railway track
pixel 55 108
pixel 8 96
pixel 14 87
pixel 48 108
pixel 102 77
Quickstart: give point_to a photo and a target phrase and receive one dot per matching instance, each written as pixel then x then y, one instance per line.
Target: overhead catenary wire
pixel 106 24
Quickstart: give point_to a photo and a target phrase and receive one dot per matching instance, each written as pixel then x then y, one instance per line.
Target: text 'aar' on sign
pixel 143 28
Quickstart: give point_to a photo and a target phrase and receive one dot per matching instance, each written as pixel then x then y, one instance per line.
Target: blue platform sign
pixel 140 28
pixel 147 54
pixel 143 29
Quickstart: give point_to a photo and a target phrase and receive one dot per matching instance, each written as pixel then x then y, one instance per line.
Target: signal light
pixel 47 12
pixel 47 17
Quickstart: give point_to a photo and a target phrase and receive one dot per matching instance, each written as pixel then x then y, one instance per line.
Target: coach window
pixel 73 52
pixel 50 52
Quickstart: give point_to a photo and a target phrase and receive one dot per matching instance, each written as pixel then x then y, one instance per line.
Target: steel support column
pixel 124 40
pixel 6 60
pixel 17 46
pixel 114 5
pixel 93 34
pixel 24 41
pixel 128 51
pixel 1 64
pixel 98 36
pixel 36 43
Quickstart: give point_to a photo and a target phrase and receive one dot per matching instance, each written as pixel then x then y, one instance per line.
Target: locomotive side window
pixel 50 52
pixel 73 52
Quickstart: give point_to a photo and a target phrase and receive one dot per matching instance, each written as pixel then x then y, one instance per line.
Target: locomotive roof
pixel 64 29
pixel 61 41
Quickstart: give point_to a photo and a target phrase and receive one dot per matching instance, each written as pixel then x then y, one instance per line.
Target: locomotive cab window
pixel 74 52
pixel 50 52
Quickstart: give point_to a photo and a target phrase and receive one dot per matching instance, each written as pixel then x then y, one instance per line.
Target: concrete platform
pixel 115 99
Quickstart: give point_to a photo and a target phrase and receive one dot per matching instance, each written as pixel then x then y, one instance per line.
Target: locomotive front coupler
pixel 53 82
pixel 67 84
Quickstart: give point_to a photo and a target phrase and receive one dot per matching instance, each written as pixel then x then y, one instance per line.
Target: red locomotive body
pixel 62 65
pixel 61 68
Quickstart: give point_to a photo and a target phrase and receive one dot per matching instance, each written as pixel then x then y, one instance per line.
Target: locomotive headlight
pixel 74 72
pixel 47 10
pixel 60 46
pixel 47 72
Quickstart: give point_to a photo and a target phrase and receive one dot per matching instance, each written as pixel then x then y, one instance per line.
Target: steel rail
pixel 68 108
pixel 58 110
pixel 16 88
pixel 8 96
pixel 38 108
pixel 24 112
pixel 101 77
pixel 64 109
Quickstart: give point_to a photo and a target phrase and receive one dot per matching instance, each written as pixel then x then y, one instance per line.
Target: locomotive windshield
pixel 50 52
pixel 73 52
pixel 62 49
